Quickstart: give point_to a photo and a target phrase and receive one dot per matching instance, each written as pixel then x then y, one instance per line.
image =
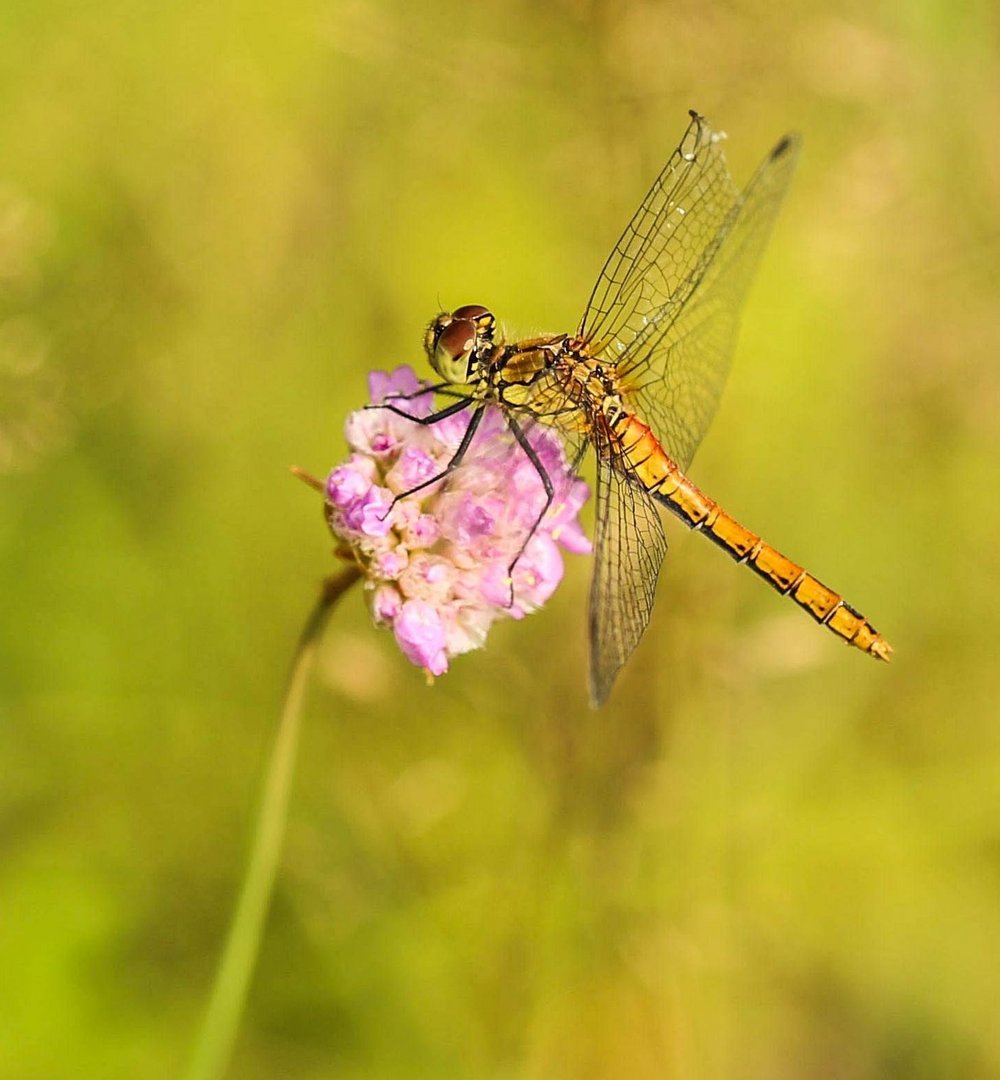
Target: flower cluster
pixel 436 560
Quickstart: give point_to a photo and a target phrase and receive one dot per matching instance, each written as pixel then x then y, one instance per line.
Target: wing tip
pixel 598 698
pixel 600 687
pixel 786 145
pixel 699 123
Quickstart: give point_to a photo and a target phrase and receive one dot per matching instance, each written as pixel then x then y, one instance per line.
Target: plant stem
pixel 232 980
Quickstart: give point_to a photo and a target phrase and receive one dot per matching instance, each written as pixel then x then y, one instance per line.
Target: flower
pixel 436 560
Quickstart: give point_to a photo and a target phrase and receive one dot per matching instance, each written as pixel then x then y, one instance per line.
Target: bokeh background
pixel 768 857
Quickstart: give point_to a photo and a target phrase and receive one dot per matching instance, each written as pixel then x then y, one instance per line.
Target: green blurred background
pixel 768 857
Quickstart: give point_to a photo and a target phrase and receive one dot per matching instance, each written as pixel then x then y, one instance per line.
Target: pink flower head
pixel 437 560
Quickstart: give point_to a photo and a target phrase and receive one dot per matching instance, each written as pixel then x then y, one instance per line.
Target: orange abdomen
pixel 644 459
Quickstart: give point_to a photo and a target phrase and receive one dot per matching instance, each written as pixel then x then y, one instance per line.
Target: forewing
pixel 665 308
pixel 629 548
pixel 663 243
pixel 677 366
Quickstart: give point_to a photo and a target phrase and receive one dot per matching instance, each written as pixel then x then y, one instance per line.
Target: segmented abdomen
pixel 644 459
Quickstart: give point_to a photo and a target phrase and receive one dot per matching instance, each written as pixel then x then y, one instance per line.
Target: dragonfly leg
pixel 456 458
pixel 434 418
pixel 436 388
pixel 550 494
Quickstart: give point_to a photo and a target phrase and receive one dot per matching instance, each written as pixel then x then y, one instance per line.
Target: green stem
pixel 232 980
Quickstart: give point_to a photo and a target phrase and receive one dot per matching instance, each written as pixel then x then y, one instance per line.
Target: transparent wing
pixel 663 242
pixel 677 367
pixel 666 308
pixel 629 546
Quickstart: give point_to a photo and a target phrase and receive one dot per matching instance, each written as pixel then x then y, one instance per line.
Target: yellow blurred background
pixel 768 857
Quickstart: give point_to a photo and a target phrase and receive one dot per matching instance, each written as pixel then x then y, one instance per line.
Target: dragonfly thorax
pixel 456 342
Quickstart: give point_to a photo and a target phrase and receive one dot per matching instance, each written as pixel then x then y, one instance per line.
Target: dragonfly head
pixel 455 339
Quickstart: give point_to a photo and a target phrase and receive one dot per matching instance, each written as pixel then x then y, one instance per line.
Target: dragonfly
pixel 639 382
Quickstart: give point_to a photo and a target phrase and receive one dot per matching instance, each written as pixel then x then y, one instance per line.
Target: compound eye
pixel 471 311
pixel 457 339
pixel 450 345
